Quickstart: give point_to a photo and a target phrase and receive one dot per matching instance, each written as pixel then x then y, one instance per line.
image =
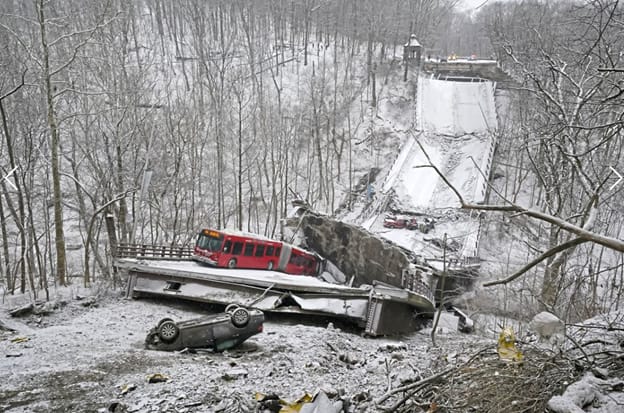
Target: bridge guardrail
pixel 154 252
pixel 412 281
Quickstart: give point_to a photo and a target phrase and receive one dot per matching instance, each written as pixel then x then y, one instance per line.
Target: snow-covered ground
pixel 87 355
pixel 80 358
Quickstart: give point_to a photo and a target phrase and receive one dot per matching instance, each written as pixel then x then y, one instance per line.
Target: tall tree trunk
pixel 20 219
pixel 5 266
pixel 239 173
pixel 61 265
pixel 123 204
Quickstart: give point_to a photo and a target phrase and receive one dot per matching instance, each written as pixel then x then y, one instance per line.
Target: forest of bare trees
pixel 171 116
pixel 565 131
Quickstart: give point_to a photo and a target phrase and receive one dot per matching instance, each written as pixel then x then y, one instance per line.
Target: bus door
pixel 320 266
pixel 247 259
pixel 284 257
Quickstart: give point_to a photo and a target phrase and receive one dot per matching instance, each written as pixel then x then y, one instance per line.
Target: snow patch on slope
pixel 457 108
pixel 457 119
pixel 456 122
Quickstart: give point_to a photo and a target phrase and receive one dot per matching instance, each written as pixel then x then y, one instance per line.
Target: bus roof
pixel 240 233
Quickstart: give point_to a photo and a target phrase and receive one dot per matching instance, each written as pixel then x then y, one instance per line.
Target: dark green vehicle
pixel 219 331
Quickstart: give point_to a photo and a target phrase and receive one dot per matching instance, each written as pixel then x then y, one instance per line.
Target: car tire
pixel 168 331
pixel 240 317
pixel 151 339
pixel 163 320
pixel 231 263
pixel 231 307
pixel 270 266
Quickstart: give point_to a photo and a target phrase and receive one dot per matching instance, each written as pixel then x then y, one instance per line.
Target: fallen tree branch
pixel 609 242
pixel 559 248
pixel 441 175
pixel 414 387
pixel 582 233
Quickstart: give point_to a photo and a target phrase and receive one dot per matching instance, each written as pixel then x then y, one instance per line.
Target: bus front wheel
pixel 232 263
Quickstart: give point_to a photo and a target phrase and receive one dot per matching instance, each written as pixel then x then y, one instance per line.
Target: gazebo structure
pixel 412 51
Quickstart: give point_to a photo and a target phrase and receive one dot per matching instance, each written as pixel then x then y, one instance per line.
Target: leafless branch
pixel 582 233
pixel 16 88
pixel 440 174
pixel 611 69
pixel 79 46
pixel 536 261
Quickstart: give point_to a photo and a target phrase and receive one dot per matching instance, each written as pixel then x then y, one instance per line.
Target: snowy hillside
pixel 457 122
pixel 456 126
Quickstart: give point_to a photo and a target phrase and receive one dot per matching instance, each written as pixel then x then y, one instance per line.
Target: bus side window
pixel 227 246
pixel 277 251
pixel 249 248
pixel 238 247
pixel 269 250
pixel 259 250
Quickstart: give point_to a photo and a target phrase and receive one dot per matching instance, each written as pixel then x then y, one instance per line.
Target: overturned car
pixel 219 331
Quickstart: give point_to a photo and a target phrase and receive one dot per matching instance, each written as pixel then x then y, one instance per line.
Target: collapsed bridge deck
pixel 379 309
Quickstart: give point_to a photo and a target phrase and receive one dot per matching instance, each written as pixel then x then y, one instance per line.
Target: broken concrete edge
pixel 367 306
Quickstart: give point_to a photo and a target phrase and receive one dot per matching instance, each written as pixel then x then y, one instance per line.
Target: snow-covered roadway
pixel 456 108
pixel 456 127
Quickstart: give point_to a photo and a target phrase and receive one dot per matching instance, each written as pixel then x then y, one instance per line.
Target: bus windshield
pixel 209 243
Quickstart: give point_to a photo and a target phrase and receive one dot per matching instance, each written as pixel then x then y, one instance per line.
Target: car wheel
pixel 232 263
pixel 230 307
pixel 240 317
pixel 163 320
pixel 270 266
pixel 168 331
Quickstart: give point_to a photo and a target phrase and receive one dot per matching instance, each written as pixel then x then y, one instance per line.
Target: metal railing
pixel 154 252
pixel 413 281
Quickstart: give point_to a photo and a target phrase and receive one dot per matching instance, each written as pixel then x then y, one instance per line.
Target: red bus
pixel 236 249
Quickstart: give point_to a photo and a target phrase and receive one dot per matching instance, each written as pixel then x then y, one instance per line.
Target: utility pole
pixel 436 320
